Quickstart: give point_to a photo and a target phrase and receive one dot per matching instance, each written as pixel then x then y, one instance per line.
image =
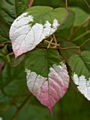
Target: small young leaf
pixel 30 28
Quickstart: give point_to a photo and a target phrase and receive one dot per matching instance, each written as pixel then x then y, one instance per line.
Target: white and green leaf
pixel 80 66
pixel 33 26
pixel 47 78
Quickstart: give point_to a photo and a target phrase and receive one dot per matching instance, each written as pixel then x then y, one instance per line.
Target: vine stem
pixel 3 43
pixel 57 46
pixel 30 3
pixel 20 107
pixel 84 42
pixel 66 4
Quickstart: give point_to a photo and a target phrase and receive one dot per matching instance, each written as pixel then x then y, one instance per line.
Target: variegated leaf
pixel 50 81
pixel 83 85
pixel 49 90
pixel 80 66
pixel 31 27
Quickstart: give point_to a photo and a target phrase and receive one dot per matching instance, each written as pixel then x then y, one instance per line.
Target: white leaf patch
pixel 83 85
pixel 1 118
pixel 49 90
pixel 25 35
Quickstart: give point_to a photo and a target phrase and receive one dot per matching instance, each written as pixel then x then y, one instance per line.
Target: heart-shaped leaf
pixel 49 81
pixel 30 28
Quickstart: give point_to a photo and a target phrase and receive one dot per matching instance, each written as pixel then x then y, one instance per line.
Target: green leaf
pixel 8 113
pixel 69 21
pixel 3 32
pixel 5 76
pixel 31 112
pixel 56 3
pixel 81 77
pixel 80 3
pixel 68 49
pixel 47 13
pixel 80 16
pixel 45 74
pixel 7 11
pixel 4 100
pixel 13 80
pixel 41 60
pixel 77 104
pixel 7 15
pixel 62 3
pixel 21 6
pixel 80 64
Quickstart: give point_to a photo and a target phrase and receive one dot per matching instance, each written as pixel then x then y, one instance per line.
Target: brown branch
pixel 45 47
pixel 66 48
pixel 30 3
pixel 1 45
pixel 7 42
pixel 10 54
pixel 57 45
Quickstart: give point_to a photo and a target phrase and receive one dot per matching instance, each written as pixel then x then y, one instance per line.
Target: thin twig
pixel 19 108
pixel 87 3
pixel 7 42
pixel 85 42
pixel 45 47
pixel 73 47
pixel 3 43
pixel 54 38
pixel 52 43
pixel 82 35
pixel 10 54
pixel 66 48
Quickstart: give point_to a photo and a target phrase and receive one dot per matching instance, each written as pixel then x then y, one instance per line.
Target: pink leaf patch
pixel 49 90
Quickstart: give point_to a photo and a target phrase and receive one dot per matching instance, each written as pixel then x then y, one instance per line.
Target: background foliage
pixel 16 102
